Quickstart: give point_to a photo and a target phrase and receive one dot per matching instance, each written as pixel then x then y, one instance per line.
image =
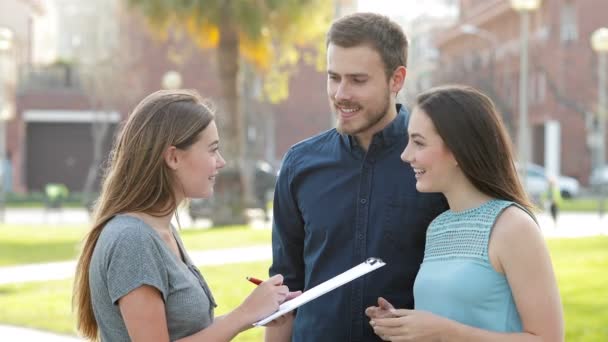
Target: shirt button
pixel 363 201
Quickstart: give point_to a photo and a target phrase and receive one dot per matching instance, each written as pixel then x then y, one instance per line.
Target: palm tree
pixel 268 34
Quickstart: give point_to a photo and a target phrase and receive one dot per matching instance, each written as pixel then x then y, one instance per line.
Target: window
pixel 569 24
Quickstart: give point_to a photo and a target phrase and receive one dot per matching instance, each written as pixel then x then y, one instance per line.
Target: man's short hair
pixel 375 30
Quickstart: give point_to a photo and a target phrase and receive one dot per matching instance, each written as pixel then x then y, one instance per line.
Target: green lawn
pixel 46 305
pixel 581 267
pixel 581 205
pixel 33 244
pixel 580 264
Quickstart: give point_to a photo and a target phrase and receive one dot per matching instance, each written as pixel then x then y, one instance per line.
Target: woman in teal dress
pixel 486 274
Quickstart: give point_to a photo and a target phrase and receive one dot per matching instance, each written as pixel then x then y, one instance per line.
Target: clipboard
pixel 363 268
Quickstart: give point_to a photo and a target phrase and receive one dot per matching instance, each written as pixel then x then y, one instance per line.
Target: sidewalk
pixel 11 333
pixel 571 225
pixel 65 269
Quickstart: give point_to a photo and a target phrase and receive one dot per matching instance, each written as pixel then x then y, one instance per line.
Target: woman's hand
pixel 380 311
pixel 282 319
pixel 265 299
pixel 409 325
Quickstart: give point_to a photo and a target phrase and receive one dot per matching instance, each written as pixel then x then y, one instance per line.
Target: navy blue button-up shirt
pixel 336 205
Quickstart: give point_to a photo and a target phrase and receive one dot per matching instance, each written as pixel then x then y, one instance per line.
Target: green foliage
pixel 267 31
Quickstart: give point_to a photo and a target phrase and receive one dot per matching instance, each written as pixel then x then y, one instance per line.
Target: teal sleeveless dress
pixel 456 279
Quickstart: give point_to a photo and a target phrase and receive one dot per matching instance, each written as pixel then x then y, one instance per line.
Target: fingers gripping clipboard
pixel 321 289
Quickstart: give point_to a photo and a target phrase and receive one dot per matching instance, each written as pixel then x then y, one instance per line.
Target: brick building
pixel 50 138
pixel 562 69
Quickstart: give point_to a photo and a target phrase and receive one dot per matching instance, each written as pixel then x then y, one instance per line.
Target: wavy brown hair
pixel 472 129
pixel 137 179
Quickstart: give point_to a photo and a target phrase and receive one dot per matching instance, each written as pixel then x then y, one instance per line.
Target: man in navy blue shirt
pixel 345 195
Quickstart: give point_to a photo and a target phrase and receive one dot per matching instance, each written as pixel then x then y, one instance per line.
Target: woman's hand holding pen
pixel 289 296
pixel 264 299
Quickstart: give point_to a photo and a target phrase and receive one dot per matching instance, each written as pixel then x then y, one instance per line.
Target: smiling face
pixel 359 94
pixel 433 163
pixel 197 166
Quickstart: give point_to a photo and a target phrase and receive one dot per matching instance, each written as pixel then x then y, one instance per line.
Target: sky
pixel 408 9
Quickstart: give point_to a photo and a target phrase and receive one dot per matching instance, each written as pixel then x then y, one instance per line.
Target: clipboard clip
pixel 372 261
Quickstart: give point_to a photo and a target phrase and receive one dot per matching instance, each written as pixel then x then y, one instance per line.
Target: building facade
pixel 483 49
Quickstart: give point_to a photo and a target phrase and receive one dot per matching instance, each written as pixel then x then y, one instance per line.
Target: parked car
pixel 599 177
pixel 537 183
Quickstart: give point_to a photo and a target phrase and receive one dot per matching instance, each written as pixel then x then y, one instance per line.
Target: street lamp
pixel 599 42
pixel 524 7
pixel 172 80
pixel 6 45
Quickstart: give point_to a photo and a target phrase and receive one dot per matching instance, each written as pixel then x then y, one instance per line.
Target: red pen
pixel 255 280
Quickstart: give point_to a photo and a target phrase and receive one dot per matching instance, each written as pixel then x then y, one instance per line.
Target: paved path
pixel 11 333
pixel 65 270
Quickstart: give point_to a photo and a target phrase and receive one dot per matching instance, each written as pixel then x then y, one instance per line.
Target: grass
pixel 580 266
pixel 32 244
pixel 46 305
pixel 582 205
pixel 38 243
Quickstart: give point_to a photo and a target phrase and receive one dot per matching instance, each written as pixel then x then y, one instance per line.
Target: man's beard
pixel 370 121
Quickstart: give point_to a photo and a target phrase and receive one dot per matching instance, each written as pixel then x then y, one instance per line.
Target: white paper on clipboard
pixel 363 268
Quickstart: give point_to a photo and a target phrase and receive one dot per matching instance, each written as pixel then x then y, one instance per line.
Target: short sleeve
pixel 135 259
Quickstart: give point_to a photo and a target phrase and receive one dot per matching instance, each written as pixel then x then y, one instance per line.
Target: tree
pixel 268 34
pixel 105 75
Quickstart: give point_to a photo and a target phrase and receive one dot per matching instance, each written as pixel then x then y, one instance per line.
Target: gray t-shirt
pixel 129 254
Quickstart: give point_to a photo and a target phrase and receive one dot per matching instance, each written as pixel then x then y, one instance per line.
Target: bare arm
pixel 281 333
pixel 143 311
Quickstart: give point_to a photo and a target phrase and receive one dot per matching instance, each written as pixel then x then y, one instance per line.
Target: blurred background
pixel 71 70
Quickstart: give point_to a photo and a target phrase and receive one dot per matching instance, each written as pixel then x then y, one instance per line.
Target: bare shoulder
pixel 515 225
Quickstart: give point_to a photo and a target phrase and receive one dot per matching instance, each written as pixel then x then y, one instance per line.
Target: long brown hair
pixel 137 178
pixel 472 129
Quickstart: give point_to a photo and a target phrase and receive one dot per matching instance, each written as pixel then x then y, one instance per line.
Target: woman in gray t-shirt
pixel 134 279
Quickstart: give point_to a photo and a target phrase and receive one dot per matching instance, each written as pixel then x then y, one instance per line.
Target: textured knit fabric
pixel 456 279
pixel 130 254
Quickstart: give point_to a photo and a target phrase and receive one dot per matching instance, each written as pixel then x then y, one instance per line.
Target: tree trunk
pixel 99 131
pixel 231 198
